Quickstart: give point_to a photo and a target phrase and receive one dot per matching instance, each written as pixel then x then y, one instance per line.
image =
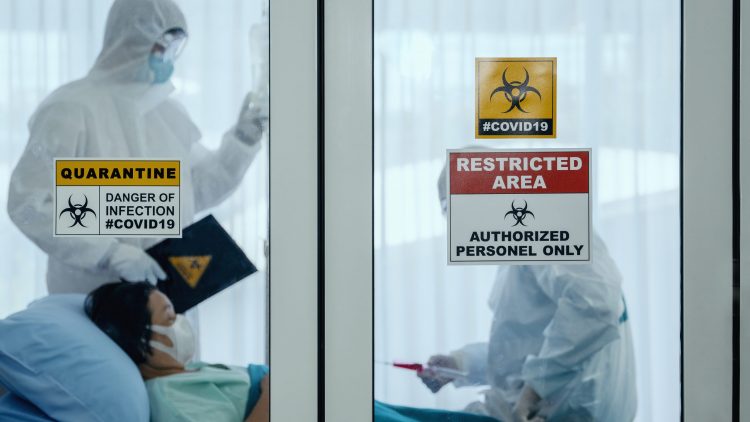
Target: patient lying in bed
pixel 142 321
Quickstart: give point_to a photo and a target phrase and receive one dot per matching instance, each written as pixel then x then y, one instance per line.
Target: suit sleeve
pixel 216 174
pixel 586 320
pixel 57 131
pixel 472 359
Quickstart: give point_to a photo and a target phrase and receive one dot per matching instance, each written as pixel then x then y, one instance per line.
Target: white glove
pixel 133 264
pixel 527 407
pixel 252 120
pixel 434 381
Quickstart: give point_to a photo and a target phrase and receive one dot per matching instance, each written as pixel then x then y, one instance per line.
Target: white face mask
pixel 182 337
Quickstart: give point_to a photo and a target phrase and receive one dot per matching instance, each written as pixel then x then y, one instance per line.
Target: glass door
pixel 515 340
pixel 466 316
pixel 153 277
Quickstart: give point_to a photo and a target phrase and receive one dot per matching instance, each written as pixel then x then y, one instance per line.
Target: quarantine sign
pixel 519 207
pixel 516 97
pixel 95 197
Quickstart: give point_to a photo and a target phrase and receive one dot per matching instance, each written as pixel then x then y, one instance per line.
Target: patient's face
pixel 162 313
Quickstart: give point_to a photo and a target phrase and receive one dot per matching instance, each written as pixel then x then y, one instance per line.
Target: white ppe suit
pixel 562 330
pixel 115 112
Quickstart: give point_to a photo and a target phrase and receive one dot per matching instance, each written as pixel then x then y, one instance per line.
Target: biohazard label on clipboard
pixel 519 207
pixel 516 97
pixel 191 268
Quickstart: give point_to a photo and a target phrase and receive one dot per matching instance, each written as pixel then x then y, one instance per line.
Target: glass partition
pixel 618 93
pixel 120 81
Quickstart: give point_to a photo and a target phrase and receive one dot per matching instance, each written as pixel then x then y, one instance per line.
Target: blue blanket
pixel 16 409
pixel 389 413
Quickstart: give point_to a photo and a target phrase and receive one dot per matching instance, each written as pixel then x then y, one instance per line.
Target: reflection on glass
pixel 611 55
pixel 129 79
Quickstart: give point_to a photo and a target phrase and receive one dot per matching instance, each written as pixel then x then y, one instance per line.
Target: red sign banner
pixel 519 172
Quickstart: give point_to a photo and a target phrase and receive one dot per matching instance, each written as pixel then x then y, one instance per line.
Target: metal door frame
pixel 707 271
pixel 293 257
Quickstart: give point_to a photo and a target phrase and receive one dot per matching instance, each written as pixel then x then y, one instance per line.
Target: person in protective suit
pixel 560 347
pixel 122 109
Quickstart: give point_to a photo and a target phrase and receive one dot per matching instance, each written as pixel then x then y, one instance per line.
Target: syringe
pixel 436 370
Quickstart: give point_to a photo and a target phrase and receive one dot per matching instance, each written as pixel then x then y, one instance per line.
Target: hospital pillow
pixel 52 355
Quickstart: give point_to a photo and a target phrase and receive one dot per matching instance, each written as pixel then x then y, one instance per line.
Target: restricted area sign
pixel 97 197
pixel 519 207
pixel 516 97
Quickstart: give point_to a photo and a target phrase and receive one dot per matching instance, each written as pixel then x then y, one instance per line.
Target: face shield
pixel 170 45
pixel 164 53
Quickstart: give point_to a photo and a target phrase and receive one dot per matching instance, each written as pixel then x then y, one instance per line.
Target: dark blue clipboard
pixel 205 261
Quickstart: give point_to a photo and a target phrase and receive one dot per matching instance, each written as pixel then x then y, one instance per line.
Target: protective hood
pixel 133 26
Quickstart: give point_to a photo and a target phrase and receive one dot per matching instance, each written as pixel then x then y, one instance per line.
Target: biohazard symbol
pixel 191 268
pixel 77 211
pixel 515 91
pixel 519 213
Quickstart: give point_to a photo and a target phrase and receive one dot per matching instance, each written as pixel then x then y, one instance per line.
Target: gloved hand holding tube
pixel 527 407
pixel 133 264
pixel 252 120
pixel 435 380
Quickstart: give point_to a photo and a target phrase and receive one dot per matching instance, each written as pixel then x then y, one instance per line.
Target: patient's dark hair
pixel 121 311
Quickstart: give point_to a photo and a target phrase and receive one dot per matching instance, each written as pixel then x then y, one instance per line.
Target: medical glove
pixel 433 380
pixel 252 120
pixel 527 406
pixel 133 264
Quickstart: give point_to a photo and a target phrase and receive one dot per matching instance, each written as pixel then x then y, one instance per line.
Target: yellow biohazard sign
pixel 191 268
pixel 516 97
